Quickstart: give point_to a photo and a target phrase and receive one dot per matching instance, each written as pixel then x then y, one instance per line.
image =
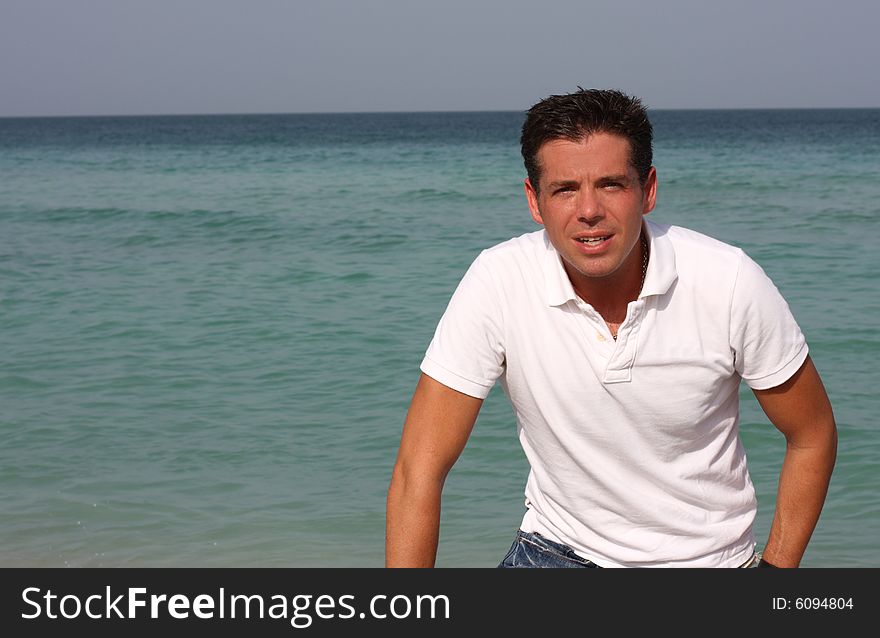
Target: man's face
pixel 591 203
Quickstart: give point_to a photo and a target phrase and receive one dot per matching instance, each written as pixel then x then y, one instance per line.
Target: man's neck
pixel 611 295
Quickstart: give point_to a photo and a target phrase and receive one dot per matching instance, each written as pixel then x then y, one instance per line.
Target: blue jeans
pixel 531 550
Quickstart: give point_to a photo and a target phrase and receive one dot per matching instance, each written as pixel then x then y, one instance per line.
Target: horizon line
pixel 425 111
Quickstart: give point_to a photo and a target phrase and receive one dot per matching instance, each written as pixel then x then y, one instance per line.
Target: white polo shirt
pixel 633 444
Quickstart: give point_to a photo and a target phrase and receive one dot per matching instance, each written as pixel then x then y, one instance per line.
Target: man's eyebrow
pixel 623 177
pixel 562 183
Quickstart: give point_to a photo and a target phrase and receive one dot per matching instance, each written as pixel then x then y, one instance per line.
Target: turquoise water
pixel 211 326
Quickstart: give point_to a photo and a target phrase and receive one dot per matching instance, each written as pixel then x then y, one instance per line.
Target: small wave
pixel 82 214
pixel 142 239
pixel 20 382
pixel 380 243
pixel 433 195
pixel 356 277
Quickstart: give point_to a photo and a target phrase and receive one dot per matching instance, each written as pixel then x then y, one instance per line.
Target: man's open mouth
pixel 593 241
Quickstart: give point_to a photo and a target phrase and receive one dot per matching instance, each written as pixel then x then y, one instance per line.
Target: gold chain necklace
pixel 644 269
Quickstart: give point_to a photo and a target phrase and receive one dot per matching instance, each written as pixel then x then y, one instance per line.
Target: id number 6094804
pixel 814 602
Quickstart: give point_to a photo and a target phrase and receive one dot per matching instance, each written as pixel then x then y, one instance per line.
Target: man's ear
pixel 650 189
pixel 532 198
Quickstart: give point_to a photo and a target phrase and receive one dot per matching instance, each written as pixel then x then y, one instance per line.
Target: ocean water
pixel 212 326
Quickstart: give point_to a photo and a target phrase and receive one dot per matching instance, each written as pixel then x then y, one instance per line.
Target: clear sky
pixel 90 57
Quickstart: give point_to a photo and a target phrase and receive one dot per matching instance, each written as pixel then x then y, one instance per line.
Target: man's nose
pixel 589 207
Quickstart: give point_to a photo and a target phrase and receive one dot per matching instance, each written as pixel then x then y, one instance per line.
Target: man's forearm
pixel 438 424
pixel 803 485
pixel 412 527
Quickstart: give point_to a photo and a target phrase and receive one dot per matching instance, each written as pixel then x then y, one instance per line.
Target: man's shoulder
pixel 516 265
pixel 687 241
pixel 517 250
pixel 527 242
pixel 700 255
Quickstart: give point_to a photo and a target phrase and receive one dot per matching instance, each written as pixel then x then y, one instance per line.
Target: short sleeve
pixel 467 351
pixel 767 342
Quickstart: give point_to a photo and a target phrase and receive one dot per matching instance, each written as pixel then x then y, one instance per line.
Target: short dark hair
pixel 578 115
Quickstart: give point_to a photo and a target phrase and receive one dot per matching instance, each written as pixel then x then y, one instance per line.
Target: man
pixel 621 344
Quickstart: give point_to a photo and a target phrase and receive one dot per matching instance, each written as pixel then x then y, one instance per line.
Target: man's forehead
pixel 585 140
pixel 604 148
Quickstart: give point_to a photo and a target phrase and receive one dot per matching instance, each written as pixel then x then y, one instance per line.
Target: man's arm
pixel 800 409
pixel 436 430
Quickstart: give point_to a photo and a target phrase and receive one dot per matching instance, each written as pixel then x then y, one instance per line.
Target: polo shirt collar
pixel 662 272
pixel 658 280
